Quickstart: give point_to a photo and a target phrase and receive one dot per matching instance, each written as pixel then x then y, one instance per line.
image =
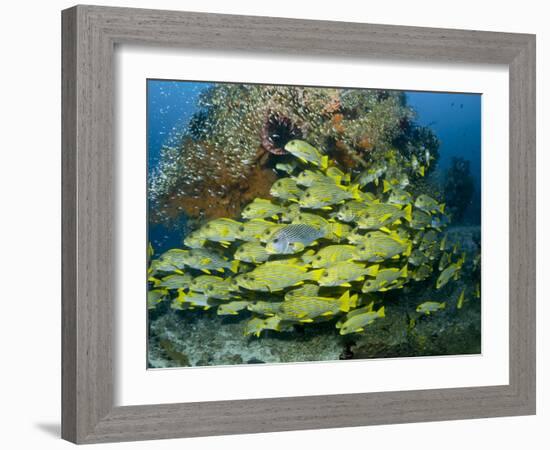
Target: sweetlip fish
pixel 428 204
pixel 308 177
pixel 351 211
pixel 175 281
pixel 377 246
pixel 232 308
pixel 256 325
pixel 173 260
pixel 285 189
pixel 275 277
pixel 155 296
pixel 325 195
pixel 386 279
pixel 220 230
pixel 191 300
pixel 306 152
pixel 342 273
pixel 207 260
pixel 330 255
pixel 195 240
pixel 213 287
pixel 358 319
pixel 261 208
pixel 265 308
pixel 430 307
pixel 292 238
pixel 306 290
pixel 252 252
pixel 252 230
pixel 306 308
pixel 381 215
pixel 451 271
pixel 372 174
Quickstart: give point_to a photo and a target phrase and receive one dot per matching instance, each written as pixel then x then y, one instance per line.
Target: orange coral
pixel 342 155
pixel 337 123
pixel 237 193
pixel 333 105
pixel 365 143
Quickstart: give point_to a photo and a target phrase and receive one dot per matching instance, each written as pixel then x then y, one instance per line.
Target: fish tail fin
pixel 353 301
pixel 372 270
pixel 347 178
pixel 354 190
pixel 408 213
pixel 345 302
pixel 381 312
pixel 442 208
pixel 421 171
pixel 154 280
pixel 387 186
pixel 324 162
pixel 409 250
pixel 405 271
pixel 443 305
pixel 234 266
pixel 315 275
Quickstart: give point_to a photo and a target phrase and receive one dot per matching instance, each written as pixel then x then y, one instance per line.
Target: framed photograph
pixel 268 230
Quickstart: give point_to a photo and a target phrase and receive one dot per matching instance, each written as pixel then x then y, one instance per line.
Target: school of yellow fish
pixel 323 247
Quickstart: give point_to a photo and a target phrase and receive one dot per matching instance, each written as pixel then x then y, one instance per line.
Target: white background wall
pixel 30 223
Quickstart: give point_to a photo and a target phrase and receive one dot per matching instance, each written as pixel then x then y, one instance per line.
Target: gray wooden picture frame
pixel 90 34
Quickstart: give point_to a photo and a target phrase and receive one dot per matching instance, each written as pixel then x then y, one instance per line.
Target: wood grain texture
pixel 90 34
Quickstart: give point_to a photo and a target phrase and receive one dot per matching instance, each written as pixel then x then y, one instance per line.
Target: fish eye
pixel 369 235
pixel 207 225
pixel 318 258
pixel 241 228
pixel 275 240
pixel 308 194
pixel 362 247
pixel 325 274
pixel 209 287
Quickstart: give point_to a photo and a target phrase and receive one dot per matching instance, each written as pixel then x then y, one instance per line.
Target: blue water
pixel 170 105
pixel 456 120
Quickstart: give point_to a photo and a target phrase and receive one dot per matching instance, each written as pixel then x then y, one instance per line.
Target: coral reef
pixel 240 131
pixel 458 187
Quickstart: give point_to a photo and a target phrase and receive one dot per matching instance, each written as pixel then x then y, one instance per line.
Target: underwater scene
pixel 290 224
